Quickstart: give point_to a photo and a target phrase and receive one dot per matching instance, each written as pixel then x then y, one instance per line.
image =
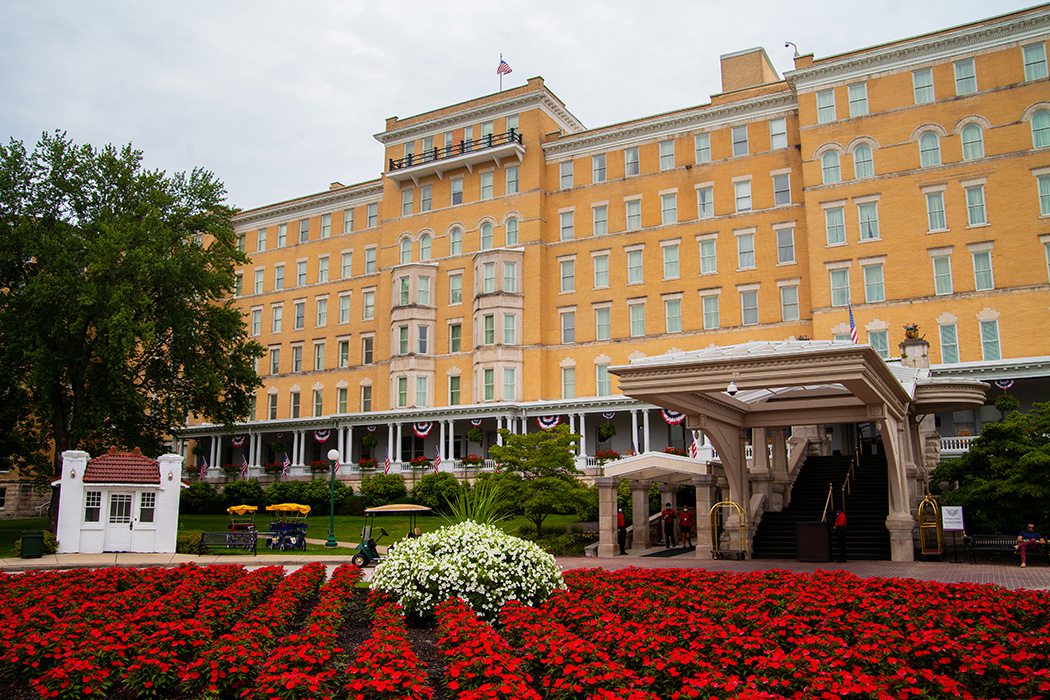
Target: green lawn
pixel 11 530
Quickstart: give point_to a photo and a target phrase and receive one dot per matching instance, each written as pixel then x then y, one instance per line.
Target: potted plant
pixel 319 466
pixel 911 330
pixel 674 451
pixel 419 462
pixel 606 431
pixel 603 456
pixel 274 469
pixel 367 464
pixel 231 470
pixel 473 460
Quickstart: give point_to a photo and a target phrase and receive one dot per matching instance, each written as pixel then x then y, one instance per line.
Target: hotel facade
pixel 508 256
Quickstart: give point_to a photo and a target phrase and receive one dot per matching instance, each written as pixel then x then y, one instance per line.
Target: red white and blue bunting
pixel 672 417
pixel 547 422
pixel 371 428
pixel 475 422
pixel 1004 384
pixel 322 435
pixel 422 429
pixel 609 416
pixel 237 440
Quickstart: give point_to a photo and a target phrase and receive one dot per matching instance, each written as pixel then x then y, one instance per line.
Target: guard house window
pixel 667 155
pixel 512 179
pixel 965 77
pixel 630 161
pixel 1034 61
pixel 304 230
pixel 825 106
pixel 863 164
pixel 565 175
pixel 749 307
pixel 839 287
pixel 147 506
pixel 598 168
pixel 92 506
pixel 567 226
pixel 782 189
pixel 858 99
pixel 486 236
pixel 742 195
pixel 600 214
pixel 972 142
pixel 456 187
pixel 486 185
pixel 702 145
pixel 372 215
pixel 512 231
pixel 740 140
pixel 634 214
pixel 922 84
pixel 778 135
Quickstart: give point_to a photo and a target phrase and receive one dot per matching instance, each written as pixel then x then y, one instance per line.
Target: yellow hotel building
pixel 508 256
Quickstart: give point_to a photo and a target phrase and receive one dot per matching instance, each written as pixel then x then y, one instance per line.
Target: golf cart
pixel 288 528
pixel 367 551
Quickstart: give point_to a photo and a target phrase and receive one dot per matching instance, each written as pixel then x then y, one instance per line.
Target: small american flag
pixel 437 458
pixel 244 468
pixel 504 68
pixel 386 463
pixel 694 449
pixel 852 327
pixel 204 467
pixel 285 466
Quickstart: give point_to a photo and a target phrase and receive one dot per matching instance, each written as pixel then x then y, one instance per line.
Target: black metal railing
pixel 457 149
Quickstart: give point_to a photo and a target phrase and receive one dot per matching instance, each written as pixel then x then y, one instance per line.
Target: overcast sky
pixel 279 99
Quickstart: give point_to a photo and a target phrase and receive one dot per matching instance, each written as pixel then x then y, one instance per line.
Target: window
pixel 402 392
pixel 1041 129
pixel 975 213
pixel 348 221
pixel 346 265
pixel 456 189
pixel 745 251
pixel 710 309
pixel 635 271
pixel 453 391
pixel 705 202
pixel 702 145
pixel 568 275
pixel 1034 61
pixel 602 323
pixel 322 312
pixel 565 175
pixel 92 506
pixel 512 180
pixel 863 164
pixel 630 161
pixel 510 277
pixel 708 256
pixel 486 236
pixel 238 284
pixel 965 77
pixel 839 287
pixel 488 277
pixel 455 289
pixel 667 155
pixel 423 291
pixel 600 215
pixel 367 348
pixel 830 168
pixel 990 340
pixel 340 399
pixel 258 285
pixel 972 142
pixel 637 316
pixel 949 343
pixel 402 340
pixel 489 384
pixel 322 268
pixel 942 275
pixel 603 383
pixel 929 150
pixel 785 246
pixel 509 389
pixel 147 507
pixel 278 276
pixel 673 315
pixel 424 247
pixel 241 244
pixel 922 84
pixel 749 307
pixel 300 273
pixel 282 235
pixel 260 240
pixel 825 106
pixel 343 353
pixel 256 322
pixel 1043 181
pixel 486 185
pixel 781 189
pixel 455 241
pixel 455 337
pixel 982 270
pixel 778 135
pixel 366 399
pixel 567 227
pixel 410 151
pixel 868 214
pixel 275 360
pixel 568 327
pixel 874 284
pixel 370 260
pixel 880 343
pixel 318 403
pixel 272 407
pixel 935 217
pixel 789 303
pixel 421 391
pixel 294 404
pixel 512 231
pixel 598 168
pixel 634 214
pixel 304 230
pixel 368 305
pixel 426 198
pixel 671 261
pixel 858 99
pixel 568 382
pixel 405 251
pixel 510 329
pixel 742 195
pixel 299 315
pixel 278 317
pixel 601 271
pixel 344 308
pixel 740 140
pixel 488 322
pixel 297 358
pixel 669 209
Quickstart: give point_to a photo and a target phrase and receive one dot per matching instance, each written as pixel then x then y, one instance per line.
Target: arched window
pixel 863 164
pixel 1041 129
pixel 406 250
pixel 831 169
pixel 972 142
pixel 455 241
pixel 929 150
pixel 486 236
pixel 512 231
pixel 424 247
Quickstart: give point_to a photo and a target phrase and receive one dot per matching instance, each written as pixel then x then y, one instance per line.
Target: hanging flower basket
pixel 420 463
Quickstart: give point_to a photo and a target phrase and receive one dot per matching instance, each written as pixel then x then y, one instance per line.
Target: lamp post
pixel 333 456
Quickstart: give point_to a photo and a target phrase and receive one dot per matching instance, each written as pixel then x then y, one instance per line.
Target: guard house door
pixel 118 522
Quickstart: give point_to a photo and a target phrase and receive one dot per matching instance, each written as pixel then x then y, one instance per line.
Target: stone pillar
pixel 705 498
pixel 607 546
pixel 781 480
pixel 759 472
pixel 640 514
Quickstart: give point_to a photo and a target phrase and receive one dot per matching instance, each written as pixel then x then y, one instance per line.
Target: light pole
pixel 333 455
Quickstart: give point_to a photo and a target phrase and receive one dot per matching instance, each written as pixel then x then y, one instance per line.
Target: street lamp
pixel 333 456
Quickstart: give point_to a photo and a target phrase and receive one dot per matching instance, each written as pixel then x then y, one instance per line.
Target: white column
pixel 583 435
pixel 340 445
pixel 390 442
pixel 302 447
pixel 572 422
pixel 441 441
pixel 645 427
pixel 451 439
pixel 216 450
pixel 634 430
pixel 251 450
pixel 348 445
pixel 499 424
pixel 398 443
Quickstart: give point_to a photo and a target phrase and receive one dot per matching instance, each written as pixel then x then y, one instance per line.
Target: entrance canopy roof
pixel 657 466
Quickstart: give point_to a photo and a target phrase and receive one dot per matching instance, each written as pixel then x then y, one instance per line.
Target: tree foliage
pixel 115 319
pixel 1003 481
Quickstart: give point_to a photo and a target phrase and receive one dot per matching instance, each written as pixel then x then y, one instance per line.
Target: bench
pixel 998 544
pixel 228 542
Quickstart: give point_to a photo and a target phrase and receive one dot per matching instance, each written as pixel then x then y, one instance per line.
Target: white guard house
pixel 118 502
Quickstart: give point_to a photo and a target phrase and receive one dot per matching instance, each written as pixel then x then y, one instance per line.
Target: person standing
pixel 669 517
pixel 1028 538
pixel 840 534
pixel 685 527
pixel 621 531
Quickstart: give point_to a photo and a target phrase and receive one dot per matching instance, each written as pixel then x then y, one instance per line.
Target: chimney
pixel 747 68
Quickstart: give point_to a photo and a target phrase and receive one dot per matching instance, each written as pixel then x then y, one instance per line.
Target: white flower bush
pixel 479 563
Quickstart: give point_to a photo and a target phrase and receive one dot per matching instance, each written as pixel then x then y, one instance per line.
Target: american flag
pixel 386 463
pixel 204 467
pixel 694 449
pixel 285 466
pixel 244 468
pixel 503 68
pixel 852 327
pixel 437 458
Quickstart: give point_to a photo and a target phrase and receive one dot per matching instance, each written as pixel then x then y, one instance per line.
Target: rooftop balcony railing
pixel 463 154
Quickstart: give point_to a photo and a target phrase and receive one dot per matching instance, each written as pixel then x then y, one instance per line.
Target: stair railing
pixel 829 502
pixel 847 483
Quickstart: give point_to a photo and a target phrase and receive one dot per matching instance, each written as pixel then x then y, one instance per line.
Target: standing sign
pixel 952 518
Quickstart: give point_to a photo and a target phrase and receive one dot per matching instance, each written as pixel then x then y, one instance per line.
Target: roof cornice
pixel 371 191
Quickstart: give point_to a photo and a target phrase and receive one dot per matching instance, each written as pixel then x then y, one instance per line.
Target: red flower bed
pixel 385 667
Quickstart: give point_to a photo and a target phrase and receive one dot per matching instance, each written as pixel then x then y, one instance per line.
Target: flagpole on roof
pixel 500 73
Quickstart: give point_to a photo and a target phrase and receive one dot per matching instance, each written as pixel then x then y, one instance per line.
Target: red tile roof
pixel 122 468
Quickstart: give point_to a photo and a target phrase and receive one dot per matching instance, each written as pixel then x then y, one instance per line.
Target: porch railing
pixel 457 149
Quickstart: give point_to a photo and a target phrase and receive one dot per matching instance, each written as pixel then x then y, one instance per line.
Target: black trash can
pixel 32 544
pixel 813 542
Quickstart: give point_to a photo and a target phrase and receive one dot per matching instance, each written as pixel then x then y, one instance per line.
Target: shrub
pixel 479 563
pixel 284 492
pixel 435 490
pixel 587 510
pixel 350 505
pixel 485 503
pixel 568 544
pixel 380 489
pixel 317 494
pixel 200 497
pixel 186 541
pixel 246 492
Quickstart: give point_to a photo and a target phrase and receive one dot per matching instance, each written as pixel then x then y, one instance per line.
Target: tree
pixel 538 474
pixel 116 323
pixel 1003 481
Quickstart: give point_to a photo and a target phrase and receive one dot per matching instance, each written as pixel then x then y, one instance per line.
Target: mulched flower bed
pixel 224 632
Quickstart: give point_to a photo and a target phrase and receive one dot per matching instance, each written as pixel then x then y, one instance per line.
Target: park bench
pixel 228 542
pixel 998 544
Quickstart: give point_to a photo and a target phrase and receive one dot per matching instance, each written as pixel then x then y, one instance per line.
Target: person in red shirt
pixel 685 527
pixel 669 517
pixel 621 531
pixel 840 534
